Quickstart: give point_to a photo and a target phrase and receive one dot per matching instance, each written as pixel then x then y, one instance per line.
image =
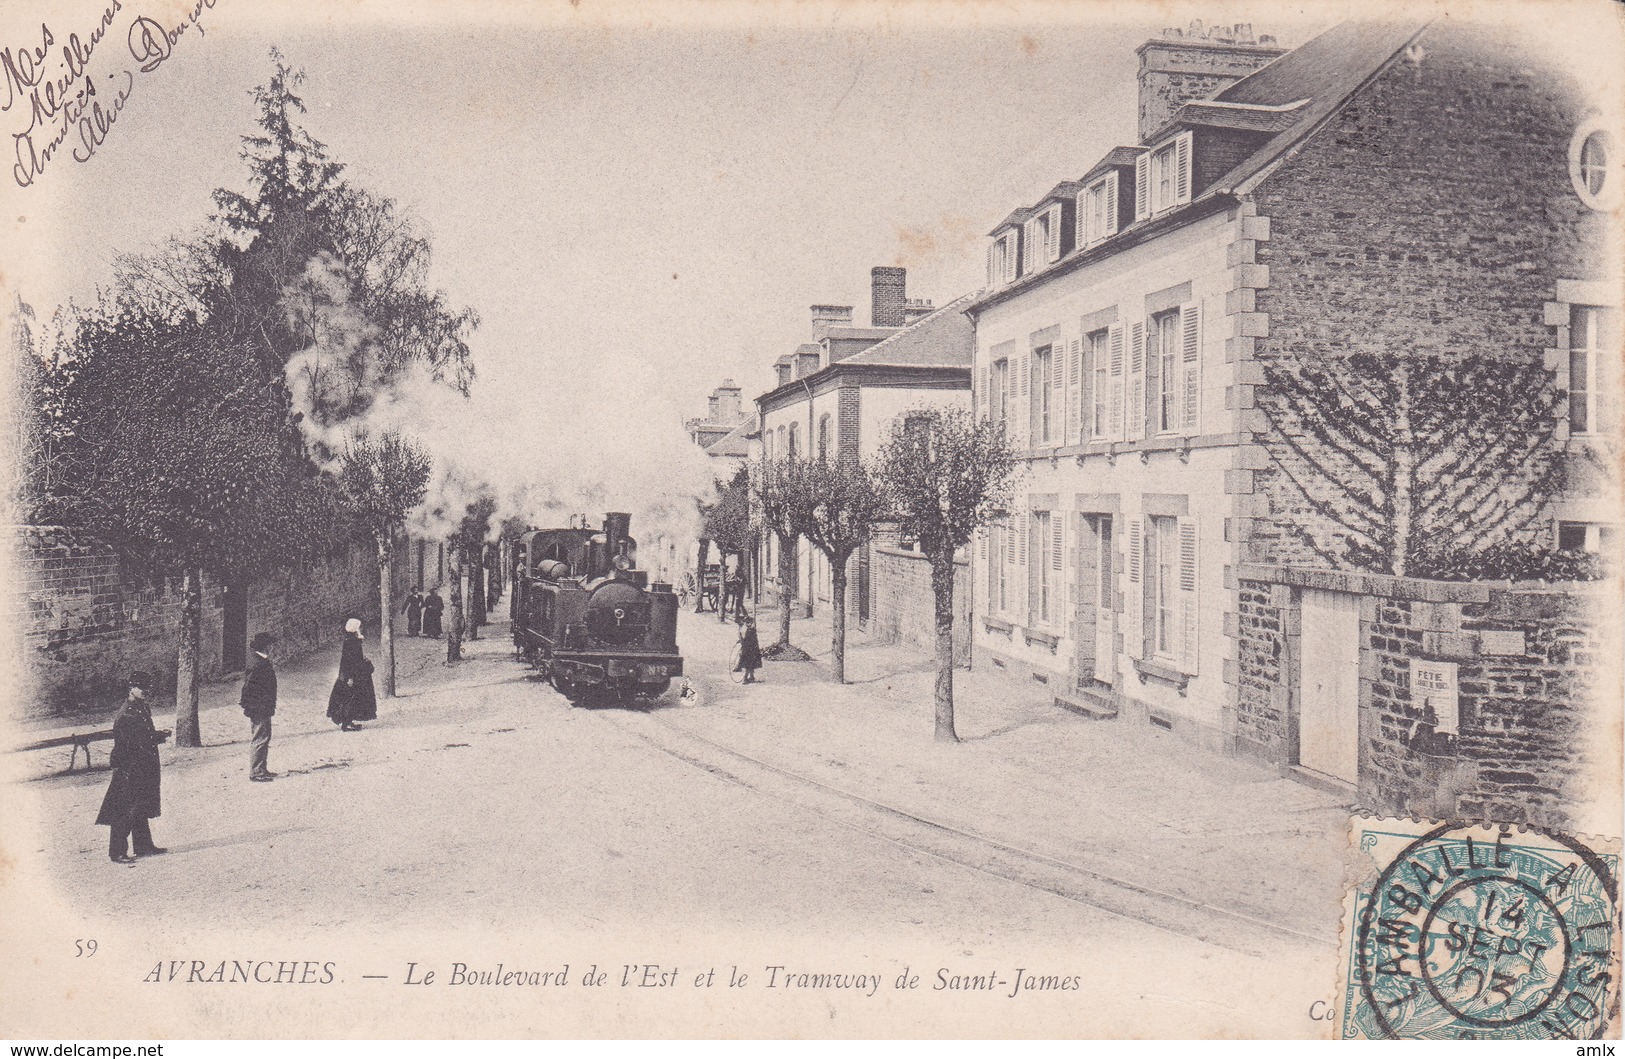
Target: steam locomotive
pixel 587 617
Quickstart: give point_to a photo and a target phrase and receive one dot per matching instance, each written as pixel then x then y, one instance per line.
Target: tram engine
pixel 587 617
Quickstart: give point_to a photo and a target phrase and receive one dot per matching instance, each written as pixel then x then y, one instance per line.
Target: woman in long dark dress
pixel 431 614
pixel 353 698
pixel 133 793
pixel 414 614
pixel 750 649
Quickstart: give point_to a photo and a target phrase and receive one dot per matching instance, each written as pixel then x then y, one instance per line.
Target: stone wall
pixel 902 607
pixel 1537 679
pixel 87 621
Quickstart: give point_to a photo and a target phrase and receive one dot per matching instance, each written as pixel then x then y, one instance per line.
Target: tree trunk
pixel 386 608
pixel 787 569
pixel 1404 471
pixel 837 623
pixel 476 595
pixel 187 730
pixel 454 623
pixel 942 591
pixel 699 577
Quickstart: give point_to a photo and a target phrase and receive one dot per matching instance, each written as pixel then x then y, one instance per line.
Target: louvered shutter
pixel 983 533
pixel 1134 413
pixel 1052 245
pixel 1080 215
pixel 1111 204
pixel 1057 393
pixel 984 404
pixel 1190 317
pixel 1019 403
pixel 1057 529
pixel 1008 255
pixel 1142 186
pixel 1115 339
pixel 1074 391
pixel 1188 641
pixel 1134 591
pixel 992 258
pixel 1182 168
pixel 1029 256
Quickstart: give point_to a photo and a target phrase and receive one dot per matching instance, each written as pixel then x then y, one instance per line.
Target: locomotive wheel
pixel 563 685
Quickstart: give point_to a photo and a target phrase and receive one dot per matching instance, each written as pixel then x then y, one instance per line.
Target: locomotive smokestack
pixel 617 527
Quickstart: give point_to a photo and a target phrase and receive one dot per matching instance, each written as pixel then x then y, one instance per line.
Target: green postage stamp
pixel 1463 931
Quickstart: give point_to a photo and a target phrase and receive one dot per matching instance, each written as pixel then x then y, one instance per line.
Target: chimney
pixel 782 369
pixel 917 309
pixel 1195 63
pixel 726 406
pixel 806 364
pixel 887 288
pixel 825 317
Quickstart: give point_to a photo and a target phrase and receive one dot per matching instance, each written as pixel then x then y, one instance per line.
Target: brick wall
pixel 87 623
pixel 1434 214
pixel 1533 671
pixel 902 607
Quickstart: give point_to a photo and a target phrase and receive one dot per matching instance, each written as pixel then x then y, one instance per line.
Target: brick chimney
pixel 782 368
pixel 726 403
pixel 825 317
pixel 1196 62
pixel 888 286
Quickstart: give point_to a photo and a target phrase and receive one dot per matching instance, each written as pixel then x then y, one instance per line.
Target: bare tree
pixel 834 504
pixel 945 475
pixel 770 484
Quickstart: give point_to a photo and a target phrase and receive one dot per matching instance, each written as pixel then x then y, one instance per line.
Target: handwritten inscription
pixel 59 93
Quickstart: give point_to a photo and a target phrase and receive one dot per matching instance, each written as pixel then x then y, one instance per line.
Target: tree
pixel 466 540
pixel 772 503
pixel 834 504
pixel 945 475
pixel 382 479
pixel 1412 464
pixel 728 522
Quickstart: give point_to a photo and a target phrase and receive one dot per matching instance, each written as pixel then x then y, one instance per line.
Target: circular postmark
pixel 1476 932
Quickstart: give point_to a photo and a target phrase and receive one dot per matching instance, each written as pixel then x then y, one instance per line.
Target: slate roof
pixel 943 339
pixel 733 443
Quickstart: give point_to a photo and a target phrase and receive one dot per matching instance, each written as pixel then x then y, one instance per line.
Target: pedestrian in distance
pixel 352 698
pixel 750 649
pixel 258 700
pixel 414 613
pixel 433 607
pixel 133 793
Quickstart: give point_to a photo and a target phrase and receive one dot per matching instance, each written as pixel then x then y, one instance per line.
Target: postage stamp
pixel 1465 931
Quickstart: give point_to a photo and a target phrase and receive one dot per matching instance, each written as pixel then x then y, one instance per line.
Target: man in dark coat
pixel 133 794
pixel 258 701
pixel 432 608
pixel 414 613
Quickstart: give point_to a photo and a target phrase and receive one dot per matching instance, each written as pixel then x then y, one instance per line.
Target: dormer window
pixel 1001 259
pixel 1162 177
pixel 1043 238
pixel 1097 210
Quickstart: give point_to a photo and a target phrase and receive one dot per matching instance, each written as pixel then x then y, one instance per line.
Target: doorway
pixel 234 627
pixel 1096 618
pixel 1329 684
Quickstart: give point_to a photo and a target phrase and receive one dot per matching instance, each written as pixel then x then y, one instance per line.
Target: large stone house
pixel 1395 189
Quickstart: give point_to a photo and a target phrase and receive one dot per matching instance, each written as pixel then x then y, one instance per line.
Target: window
pixel 1044 395
pixel 1164 569
pixel 1001 260
pixel 1594 165
pixel 1045 548
pixel 999 556
pixel 1593 382
pixel 1163 177
pixel 999 391
pixel 1588 537
pixel 1165 352
pixel 1097 210
pixel 823 438
pixel 1100 381
pixel 792 446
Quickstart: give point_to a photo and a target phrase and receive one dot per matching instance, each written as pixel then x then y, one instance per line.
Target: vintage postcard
pixel 595 519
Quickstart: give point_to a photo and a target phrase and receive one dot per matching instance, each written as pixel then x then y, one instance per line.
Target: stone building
pixel 1395 190
pixel 837 397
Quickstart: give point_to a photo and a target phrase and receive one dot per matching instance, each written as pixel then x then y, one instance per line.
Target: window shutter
pixel 1029 257
pixel 992 256
pixel 1020 412
pixel 1008 256
pixel 1142 186
pixel 1074 392
pixel 1115 338
pixel 1191 362
pixel 1021 538
pixel 1081 216
pixel 1111 204
pixel 983 533
pixel 1134 593
pixel 1052 246
pixel 1134 414
pixel 1057 530
pixel 1057 394
pixel 1182 168
pixel 1188 642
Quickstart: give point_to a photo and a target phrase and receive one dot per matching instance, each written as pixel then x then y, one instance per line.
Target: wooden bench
pixel 79 740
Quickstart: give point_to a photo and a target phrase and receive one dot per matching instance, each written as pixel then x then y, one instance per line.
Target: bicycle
pixel 736 672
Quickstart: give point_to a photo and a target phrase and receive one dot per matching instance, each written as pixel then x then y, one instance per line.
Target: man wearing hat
pixel 259 703
pixel 132 796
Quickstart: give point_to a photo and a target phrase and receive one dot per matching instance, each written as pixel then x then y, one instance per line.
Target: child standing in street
pixel 750 650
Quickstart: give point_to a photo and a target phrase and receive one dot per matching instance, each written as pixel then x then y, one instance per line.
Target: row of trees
pixel 210 413
pixel 939 477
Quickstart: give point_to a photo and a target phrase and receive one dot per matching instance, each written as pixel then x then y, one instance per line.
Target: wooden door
pixel 1329 685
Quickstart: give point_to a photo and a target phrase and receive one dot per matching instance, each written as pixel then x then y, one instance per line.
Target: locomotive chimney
pixel 617 527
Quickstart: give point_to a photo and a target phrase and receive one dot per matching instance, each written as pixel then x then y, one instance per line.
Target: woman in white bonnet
pixel 353 698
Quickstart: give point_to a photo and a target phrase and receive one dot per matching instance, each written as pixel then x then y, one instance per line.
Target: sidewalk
pixel 1132 802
